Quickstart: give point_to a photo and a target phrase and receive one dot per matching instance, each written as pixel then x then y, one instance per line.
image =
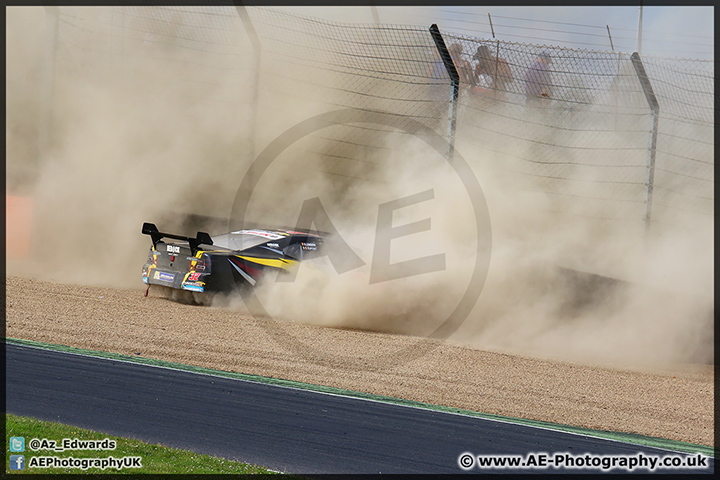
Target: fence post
pixel 375 15
pixel 455 80
pixel 52 17
pixel 255 40
pixel 250 29
pixel 497 66
pixel 652 147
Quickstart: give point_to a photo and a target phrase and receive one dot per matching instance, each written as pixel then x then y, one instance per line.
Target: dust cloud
pixel 559 286
pixel 576 288
pixel 419 298
pixel 141 146
pixel 126 145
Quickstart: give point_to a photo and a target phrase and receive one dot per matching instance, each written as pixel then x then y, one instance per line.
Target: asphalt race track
pixel 282 428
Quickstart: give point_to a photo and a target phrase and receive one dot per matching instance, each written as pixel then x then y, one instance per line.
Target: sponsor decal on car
pixel 165 277
pixel 173 248
pixel 194 286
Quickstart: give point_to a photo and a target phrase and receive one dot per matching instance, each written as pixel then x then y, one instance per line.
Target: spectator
pixel 484 69
pixel 537 81
pixel 464 68
pixel 491 71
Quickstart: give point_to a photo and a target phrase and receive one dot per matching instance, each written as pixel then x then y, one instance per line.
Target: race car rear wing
pixel 156 236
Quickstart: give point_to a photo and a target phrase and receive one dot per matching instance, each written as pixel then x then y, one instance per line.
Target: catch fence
pixel 259 71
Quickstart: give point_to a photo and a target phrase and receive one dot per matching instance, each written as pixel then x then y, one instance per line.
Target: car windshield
pixel 244 239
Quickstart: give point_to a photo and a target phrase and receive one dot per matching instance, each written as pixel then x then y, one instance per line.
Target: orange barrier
pixel 18 222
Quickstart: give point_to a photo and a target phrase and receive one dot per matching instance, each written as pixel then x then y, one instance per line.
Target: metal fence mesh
pixel 588 142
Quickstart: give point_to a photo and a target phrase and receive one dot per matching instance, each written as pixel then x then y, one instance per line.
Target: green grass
pixel 155 458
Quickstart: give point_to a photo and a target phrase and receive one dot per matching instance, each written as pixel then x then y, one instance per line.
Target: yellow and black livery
pixel 227 262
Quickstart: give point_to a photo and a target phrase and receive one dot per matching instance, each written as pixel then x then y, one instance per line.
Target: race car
pixel 225 263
